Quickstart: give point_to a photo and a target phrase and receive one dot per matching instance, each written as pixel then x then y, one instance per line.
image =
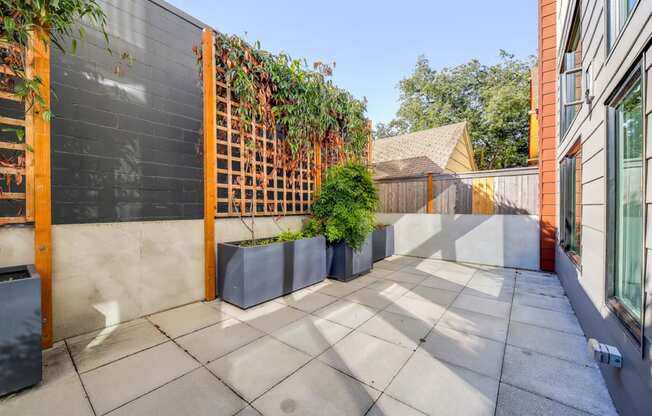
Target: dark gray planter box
pixel 247 276
pixel 346 264
pixel 20 328
pixel 383 242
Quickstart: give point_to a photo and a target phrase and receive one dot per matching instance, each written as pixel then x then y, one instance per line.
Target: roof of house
pixel 422 152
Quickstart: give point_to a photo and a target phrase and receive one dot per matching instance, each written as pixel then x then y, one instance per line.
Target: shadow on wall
pixel 492 239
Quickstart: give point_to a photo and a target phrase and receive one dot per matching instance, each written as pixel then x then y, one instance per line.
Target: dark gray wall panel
pixel 126 144
pixel 630 386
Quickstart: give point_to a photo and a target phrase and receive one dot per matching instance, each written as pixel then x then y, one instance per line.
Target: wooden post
pixel 370 144
pixel 29 146
pixel 210 162
pixel 38 63
pixel 317 165
pixel 429 204
pixel 483 196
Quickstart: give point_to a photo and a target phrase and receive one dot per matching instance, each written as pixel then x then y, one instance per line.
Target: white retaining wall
pixel 108 273
pixel 497 240
pixel 104 274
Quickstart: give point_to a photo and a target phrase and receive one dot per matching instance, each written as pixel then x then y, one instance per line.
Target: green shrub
pixel 289 236
pixel 344 208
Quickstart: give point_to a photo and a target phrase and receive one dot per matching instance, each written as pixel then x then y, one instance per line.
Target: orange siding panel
pixel 547 131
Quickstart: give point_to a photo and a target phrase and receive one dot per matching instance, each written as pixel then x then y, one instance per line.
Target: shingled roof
pixel 413 154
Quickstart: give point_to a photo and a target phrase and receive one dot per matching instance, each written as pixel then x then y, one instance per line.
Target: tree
pixel 494 100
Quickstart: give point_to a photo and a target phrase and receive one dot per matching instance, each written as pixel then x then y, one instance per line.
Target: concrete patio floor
pixel 413 337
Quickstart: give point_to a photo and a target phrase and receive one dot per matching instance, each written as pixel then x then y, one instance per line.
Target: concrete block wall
pixel 16 245
pixel 126 142
pixel 496 240
pixel 127 177
pixel 107 273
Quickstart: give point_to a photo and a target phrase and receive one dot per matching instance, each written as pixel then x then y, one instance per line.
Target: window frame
pixel 634 326
pixel 574 33
pixel 575 153
pixel 611 43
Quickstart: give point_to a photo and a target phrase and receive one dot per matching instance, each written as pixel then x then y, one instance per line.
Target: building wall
pixel 630 387
pixel 461 159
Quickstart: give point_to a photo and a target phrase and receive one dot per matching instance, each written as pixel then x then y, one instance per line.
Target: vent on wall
pixel 605 354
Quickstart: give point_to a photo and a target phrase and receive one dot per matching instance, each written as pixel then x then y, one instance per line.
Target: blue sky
pixel 376 43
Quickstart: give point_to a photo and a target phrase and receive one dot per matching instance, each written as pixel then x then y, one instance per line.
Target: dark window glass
pixel 628 200
pixel 570 233
pixel 626 203
pixel 571 77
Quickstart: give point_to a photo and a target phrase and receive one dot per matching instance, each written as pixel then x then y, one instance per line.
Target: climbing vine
pixel 281 92
pixel 49 21
pixel 56 21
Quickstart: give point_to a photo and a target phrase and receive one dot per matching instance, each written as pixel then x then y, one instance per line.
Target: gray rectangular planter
pixel 20 328
pixel 383 242
pixel 247 276
pixel 346 264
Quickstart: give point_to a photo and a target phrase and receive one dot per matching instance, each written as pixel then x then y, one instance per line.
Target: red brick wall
pixel 547 130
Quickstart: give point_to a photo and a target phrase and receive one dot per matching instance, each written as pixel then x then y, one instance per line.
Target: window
pixel 619 12
pixel 626 203
pixel 570 175
pixel 571 77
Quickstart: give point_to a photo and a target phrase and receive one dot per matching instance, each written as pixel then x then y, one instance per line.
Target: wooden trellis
pixel 248 170
pixel 254 170
pixel 16 162
pixel 25 171
pixel 333 155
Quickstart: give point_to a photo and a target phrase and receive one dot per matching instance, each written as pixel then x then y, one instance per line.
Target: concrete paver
pixel 414 337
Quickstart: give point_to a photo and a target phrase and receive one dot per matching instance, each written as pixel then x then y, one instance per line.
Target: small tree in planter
pixel 257 270
pixel 344 213
pixel 305 111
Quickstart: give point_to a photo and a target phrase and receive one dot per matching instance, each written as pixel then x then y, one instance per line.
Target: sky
pixel 375 44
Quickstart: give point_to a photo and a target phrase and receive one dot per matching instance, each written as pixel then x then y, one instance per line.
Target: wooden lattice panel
pixel 16 167
pixel 253 167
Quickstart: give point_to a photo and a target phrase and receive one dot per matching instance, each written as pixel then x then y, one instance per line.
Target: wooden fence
pixel 503 192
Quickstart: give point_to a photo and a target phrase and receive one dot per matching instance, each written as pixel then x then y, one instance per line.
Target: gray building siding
pixel 126 141
pixel 631 387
